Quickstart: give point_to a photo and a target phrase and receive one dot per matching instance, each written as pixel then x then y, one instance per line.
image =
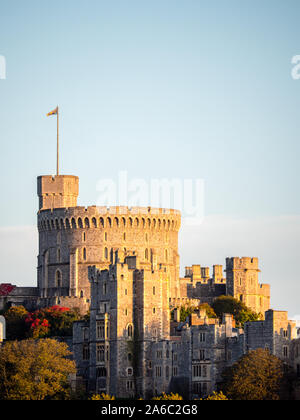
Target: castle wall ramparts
pixel 102 217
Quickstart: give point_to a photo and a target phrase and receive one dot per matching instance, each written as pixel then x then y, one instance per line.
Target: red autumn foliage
pixel 6 289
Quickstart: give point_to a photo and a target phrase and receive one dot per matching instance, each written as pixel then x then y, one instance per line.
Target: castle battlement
pixel 101 217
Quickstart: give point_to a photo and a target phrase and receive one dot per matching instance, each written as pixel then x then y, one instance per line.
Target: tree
pixel 256 376
pixel 209 310
pixel 35 370
pixel 102 397
pixel 230 305
pixel 217 396
pixel 51 322
pixel 168 397
pixel 15 323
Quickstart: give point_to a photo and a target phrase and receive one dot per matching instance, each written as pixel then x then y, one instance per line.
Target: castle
pixel 123 265
pixel 72 238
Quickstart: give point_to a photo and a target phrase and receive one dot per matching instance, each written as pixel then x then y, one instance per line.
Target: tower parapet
pixel 60 191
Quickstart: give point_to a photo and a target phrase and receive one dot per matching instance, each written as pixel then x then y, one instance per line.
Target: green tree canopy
pixel 15 323
pixel 35 370
pixel 230 305
pixel 256 376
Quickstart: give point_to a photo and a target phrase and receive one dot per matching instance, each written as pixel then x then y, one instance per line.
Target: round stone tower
pixel 73 238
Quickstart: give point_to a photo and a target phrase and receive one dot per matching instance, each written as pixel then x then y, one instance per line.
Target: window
pixel 196 371
pixel 166 255
pixel 101 372
pixel 100 353
pixel 159 354
pixel 81 294
pixel 84 237
pixel 154 291
pixel 175 357
pixel 124 236
pixel 154 310
pixel 85 334
pixel 105 236
pixel 58 279
pixel 84 254
pixel 100 330
pixel 167 372
pixel 129 385
pixel 146 254
pixel 285 351
pixel 106 253
pixel 285 333
pixel 58 256
pixel 130 331
pixel 202 354
pixel 129 372
pixel 175 371
pixel 167 354
pixel 104 288
pixel 158 371
pixel 204 371
pixel 202 337
pixel 85 352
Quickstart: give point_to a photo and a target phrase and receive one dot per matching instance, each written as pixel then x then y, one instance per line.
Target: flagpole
pixel 57 161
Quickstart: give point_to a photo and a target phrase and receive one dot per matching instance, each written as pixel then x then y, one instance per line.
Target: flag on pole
pixel 54 112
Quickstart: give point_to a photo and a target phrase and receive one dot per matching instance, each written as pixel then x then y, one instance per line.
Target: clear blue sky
pixel 168 88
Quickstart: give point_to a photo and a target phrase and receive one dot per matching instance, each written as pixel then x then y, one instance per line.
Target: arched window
pixel 101 221
pixel 81 294
pixel 73 222
pixel 94 222
pixel 58 256
pixel 58 279
pixel 130 331
pixel 109 221
pixel 87 222
pixel 80 225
